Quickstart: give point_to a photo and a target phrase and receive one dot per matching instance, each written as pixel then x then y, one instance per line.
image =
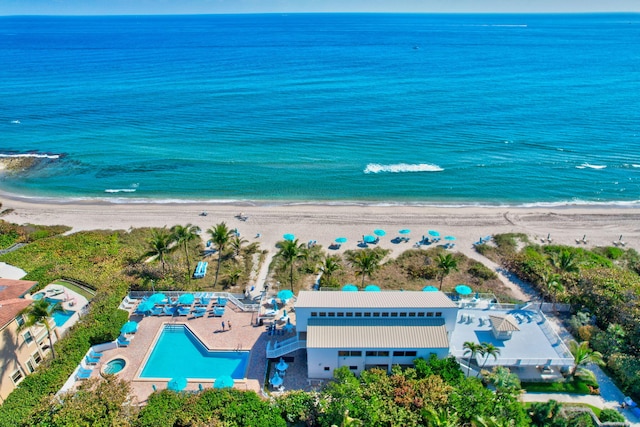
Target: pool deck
pixel 244 335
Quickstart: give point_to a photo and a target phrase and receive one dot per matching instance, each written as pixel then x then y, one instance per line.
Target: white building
pixel 362 330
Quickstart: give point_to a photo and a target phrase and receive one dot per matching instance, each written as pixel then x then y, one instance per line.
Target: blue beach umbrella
pixel 463 289
pixel 341 240
pixel 285 295
pixel 146 306
pixel 290 237
pixel 177 384
pixel 449 238
pixel 288 326
pixel 368 238
pixel 350 288
pixel 434 233
pixel 224 381
pixel 157 298
pixel 379 232
pixel 186 299
pixel 129 327
pixel 404 231
pixel 430 289
pixel 372 288
pixel 274 303
pixel 282 365
pixel 276 380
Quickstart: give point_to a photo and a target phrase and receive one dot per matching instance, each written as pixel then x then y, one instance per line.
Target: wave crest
pixel 120 190
pixel 34 155
pixel 590 166
pixel 402 167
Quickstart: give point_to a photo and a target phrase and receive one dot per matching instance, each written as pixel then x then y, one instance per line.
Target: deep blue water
pixel 474 109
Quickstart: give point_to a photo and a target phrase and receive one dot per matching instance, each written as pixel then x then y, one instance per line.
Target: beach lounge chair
pixel 122 341
pixel 218 311
pixel 168 310
pixel 157 311
pixel 83 374
pixel 95 354
pixel 205 301
pixel 184 311
pixel 222 302
pixel 90 360
pixel 197 314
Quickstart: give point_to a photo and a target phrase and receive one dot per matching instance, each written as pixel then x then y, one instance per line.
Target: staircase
pixel 284 347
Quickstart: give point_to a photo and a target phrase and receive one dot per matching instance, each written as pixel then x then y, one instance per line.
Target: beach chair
pixel 90 360
pixel 168 310
pixel 95 354
pixel 184 311
pixel 122 341
pixel 222 302
pixel 197 314
pixel 83 374
pixel 218 311
pixel 157 311
pixel 205 301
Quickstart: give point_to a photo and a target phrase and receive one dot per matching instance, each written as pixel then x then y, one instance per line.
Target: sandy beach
pixel 324 223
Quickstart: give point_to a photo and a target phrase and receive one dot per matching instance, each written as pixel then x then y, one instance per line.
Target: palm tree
pixel 236 244
pixel 39 313
pixel 553 286
pixel 446 264
pixel 234 275
pixel 182 235
pixel 472 349
pixel 583 355
pixel 331 265
pixel 159 244
pixel 440 418
pixel 566 262
pixel 367 262
pixel 220 236
pixel 290 251
pixel 487 350
pixel 503 379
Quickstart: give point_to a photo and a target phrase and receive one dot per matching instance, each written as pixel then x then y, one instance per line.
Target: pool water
pixel 114 366
pixel 61 317
pixel 37 296
pixel 179 353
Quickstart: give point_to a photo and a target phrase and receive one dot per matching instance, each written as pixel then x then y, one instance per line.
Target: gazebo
pixel 503 326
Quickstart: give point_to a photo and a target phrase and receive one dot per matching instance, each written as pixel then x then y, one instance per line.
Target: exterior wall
pixel 18 355
pixel 318 359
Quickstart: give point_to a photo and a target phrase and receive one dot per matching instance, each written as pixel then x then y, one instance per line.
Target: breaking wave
pixel 402 167
pixel 590 166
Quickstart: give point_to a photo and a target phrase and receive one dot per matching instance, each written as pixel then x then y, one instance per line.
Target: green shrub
pixel 481 271
pixel 611 415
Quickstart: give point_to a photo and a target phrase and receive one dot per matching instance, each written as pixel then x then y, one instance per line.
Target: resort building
pixel 21 350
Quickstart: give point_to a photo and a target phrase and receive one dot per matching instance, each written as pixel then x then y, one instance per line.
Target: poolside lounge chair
pixel 222 302
pixel 205 300
pixel 184 311
pixel 95 354
pixel 122 341
pixel 90 360
pixel 197 314
pixel 83 374
pixel 157 311
pixel 168 311
pixel 218 311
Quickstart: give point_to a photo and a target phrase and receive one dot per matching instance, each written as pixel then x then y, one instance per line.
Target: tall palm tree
pixel 502 379
pixel 487 350
pixel 39 313
pixel 159 244
pixel 367 262
pixel 566 262
pixel 182 235
pixel 583 355
pixel 553 287
pixel 235 273
pixel 472 349
pixel 220 236
pixel 236 244
pixel 446 264
pixel 331 265
pixel 290 251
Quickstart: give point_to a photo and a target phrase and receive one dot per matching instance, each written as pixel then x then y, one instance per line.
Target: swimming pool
pixel 179 353
pixel 61 317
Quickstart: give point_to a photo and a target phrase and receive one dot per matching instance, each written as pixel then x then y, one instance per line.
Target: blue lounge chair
pixel 184 311
pixel 197 314
pixel 222 302
pixel 205 301
pixel 157 311
pixel 90 360
pixel 168 311
pixel 83 374
pixel 122 341
pixel 95 354
pixel 218 311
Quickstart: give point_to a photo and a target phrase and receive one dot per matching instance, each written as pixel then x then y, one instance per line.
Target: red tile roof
pixel 10 288
pixel 9 309
pixel 11 298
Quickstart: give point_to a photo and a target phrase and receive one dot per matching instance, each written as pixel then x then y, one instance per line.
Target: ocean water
pixel 334 108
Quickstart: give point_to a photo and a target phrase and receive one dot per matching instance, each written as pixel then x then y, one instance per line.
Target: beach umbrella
pixel 146 306
pixel 404 231
pixel 225 381
pixel 177 384
pixel 289 326
pixel 372 288
pixel 349 288
pixel 379 232
pixel 434 233
pixel 368 238
pixel 285 295
pixel 341 240
pixel 282 365
pixel 274 303
pixel 463 289
pixel 290 237
pixel 430 289
pixel 129 327
pixel 449 238
pixel 276 380
pixel 157 298
pixel 186 299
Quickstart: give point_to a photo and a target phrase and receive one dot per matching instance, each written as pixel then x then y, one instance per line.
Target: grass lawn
pixel 89 296
pixel 575 387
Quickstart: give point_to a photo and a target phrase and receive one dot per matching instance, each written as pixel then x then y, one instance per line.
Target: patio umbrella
pixel 177 384
pixel 288 326
pixel 186 299
pixel 341 240
pixel 290 237
pixel 434 233
pixel 449 238
pixel 404 231
pixel 372 288
pixel 430 289
pixel 129 327
pixel 285 295
pixel 276 380
pixel 379 232
pixel 368 238
pixel 282 365
pixel 157 298
pixel 146 306
pixel 349 288
pixel 274 303
pixel 225 381
pixel 285 316
pixel 463 289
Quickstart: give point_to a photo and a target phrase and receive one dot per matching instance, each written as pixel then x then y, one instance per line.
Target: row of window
pixel 352 353
pixel 35 360
pixel 377 314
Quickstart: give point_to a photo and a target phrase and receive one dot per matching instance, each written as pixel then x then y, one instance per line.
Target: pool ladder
pixel 239 347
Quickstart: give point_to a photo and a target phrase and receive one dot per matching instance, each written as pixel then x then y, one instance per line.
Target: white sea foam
pixel 36 155
pixel 402 167
pixel 120 190
pixel 590 166
pixel 635 166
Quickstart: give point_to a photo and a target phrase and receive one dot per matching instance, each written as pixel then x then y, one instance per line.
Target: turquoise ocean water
pixel 337 108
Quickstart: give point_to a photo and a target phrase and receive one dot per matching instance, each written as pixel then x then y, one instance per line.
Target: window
pixel 411 353
pixel 376 314
pixel 394 314
pixel 314 314
pixel 403 314
pixel 17 376
pixel 349 314
pixel 371 353
pixel 20 320
pixel 430 314
pixel 323 314
pixel 367 314
pixel 385 314
pixel 383 353
pixel 36 357
pixel 398 353
pixel 356 353
pixel 28 338
pixel 412 314
pixel 358 314
pixel 378 353
pixel 340 314
pixel 438 314
pixel 30 367
pixel 347 353
pixel 331 314
pixel 421 314
pixel 326 368
pixel 343 353
pixel 353 368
